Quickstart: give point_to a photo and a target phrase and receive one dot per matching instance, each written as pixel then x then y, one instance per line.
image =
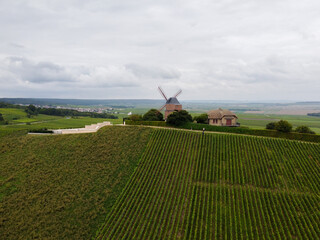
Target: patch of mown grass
pixel 59 123
pixel 63 186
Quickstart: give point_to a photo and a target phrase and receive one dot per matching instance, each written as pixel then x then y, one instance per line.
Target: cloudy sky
pixel 217 50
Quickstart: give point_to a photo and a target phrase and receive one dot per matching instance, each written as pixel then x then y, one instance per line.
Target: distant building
pixel 172 105
pixel 222 117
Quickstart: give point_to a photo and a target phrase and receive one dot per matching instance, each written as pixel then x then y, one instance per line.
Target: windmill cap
pixel 172 100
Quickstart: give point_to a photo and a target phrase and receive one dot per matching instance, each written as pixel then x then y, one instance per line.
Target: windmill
pixel 172 104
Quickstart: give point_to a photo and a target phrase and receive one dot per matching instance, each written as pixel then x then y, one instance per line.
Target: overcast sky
pixel 216 50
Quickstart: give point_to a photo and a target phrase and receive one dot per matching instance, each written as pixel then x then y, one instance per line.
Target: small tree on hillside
pixel 179 117
pixel 304 129
pixel 31 110
pixel 153 115
pixel 1 118
pixel 203 118
pixel 135 117
pixel 271 125
pixel 283 126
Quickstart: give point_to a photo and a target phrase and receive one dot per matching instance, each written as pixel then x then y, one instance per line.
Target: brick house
pixel 222 117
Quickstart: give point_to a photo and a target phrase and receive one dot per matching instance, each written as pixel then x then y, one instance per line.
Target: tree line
pixel 31 110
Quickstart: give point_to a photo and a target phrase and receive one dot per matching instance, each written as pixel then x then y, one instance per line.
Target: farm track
pixel 219 186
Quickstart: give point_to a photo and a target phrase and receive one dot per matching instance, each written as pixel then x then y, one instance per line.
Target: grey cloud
pixel 16 45
pixel 232 48
pixel 29 71
pixel 41 72
pixel 153 72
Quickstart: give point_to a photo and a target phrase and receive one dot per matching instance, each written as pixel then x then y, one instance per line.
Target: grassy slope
pixel 190 186
pixel 43 121
pixel 62 187
pixel 14 115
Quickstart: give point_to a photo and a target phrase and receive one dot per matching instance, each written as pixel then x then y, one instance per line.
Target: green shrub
pixel 283 126
pixel 304 129
pixel 147 123
pixel 41 130
pixel 271 125
pixel 135 117
pixel 203 118
pixel 178 118
pixel 153 115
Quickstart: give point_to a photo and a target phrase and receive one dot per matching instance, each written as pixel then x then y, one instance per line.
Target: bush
pixel 304 129
pixel 271 125
pixel 147 123
pixel 31 110
pixel 179 117
pixel 41 130
pixel 283 126
pixel 153 115
pixel 203 118
pixel 135 117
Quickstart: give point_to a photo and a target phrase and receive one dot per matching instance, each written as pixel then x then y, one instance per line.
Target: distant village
pixel 81 109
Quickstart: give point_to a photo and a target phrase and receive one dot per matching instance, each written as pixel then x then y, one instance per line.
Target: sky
pixel 251 50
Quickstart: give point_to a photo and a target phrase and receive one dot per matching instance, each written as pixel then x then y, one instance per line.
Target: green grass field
pixel 63 186
pixel 43 121
pixel 14 115
pixel 259 121
pixel 190 186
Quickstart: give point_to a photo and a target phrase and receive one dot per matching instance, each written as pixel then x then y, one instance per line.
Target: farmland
pixel 190 186
pixel 18 121
pixel 259 121
pixel 63 186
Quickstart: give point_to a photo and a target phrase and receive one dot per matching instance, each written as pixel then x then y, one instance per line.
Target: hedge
pixel 147 123
pixel 256 132
pixel 42 130
pixel 238 130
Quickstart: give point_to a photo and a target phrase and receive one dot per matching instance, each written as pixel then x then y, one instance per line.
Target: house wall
pixel 233 121
pixel 217 123
pixel 223 121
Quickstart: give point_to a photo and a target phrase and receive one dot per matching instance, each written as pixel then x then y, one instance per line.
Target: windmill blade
pixel 178 93
pixel 162 108
pixel 162 93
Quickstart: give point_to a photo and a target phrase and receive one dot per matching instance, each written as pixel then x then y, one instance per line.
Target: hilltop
pixel 145 183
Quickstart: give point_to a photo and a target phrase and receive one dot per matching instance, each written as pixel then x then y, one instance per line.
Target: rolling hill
pixel 137 182
pixel 194 186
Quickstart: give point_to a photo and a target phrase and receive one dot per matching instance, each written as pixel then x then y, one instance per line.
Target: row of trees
pixel 285 126
pixel 31 110
pixel 176 118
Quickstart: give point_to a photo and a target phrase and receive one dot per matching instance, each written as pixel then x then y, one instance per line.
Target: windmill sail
pixel 178 93
pixel 162 93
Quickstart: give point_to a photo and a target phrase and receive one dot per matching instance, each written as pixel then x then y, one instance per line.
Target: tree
pixel 2 120
pixel 304 129
pixel 283 126
pixel 153 115
pixel 31 110
pixel 135 117
pixel 203 118
pixel 271 125
pixel 178 118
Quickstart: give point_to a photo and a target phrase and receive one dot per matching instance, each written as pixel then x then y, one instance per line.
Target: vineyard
pixel 194 186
